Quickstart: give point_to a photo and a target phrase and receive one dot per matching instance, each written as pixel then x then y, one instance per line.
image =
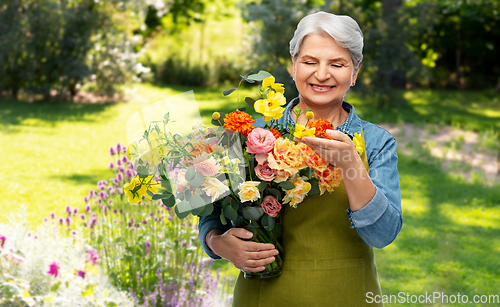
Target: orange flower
pixel 286 156
pixel 239 121
pixel 312 159
pixel 275 132
pixel 328 179
pixel 321 126
pixel 199 148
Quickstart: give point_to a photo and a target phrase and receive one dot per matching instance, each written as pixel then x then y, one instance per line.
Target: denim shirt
pixel 378 223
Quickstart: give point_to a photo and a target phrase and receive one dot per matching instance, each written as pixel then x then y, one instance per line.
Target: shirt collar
pixel 351 125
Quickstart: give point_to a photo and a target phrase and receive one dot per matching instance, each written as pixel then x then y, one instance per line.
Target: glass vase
pixel 261 235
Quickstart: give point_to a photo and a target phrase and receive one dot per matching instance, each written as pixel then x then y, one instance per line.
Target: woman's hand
pixel 339 152
pixel 245 255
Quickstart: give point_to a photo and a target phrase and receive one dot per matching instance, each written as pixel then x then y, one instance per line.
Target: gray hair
pixel 343 29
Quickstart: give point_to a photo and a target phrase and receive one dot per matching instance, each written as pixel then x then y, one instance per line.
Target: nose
pixel 322 73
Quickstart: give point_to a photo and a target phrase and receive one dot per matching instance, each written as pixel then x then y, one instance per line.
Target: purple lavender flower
pixel 103 194
pixel 119 162
pixel 128 173
pixel 82 216
pixel 92 194
pixel 111 165
pixel 68 209
pixel 73 232
pixel 124 149
pixel 112 151
pixel 144 221
pixel 68 221
pixel 121 169
pixel 45 220
pixel 115 211
pixel 75 211
pixel 87 208
pixel 119 176
pixel 93 256
pixel 125 159
pixel 86 199
pixel 92 223
pixel 61 221
pixel 105 209
pixel 52 215
pixel 118 147
pixel 148 246
pixel 53 269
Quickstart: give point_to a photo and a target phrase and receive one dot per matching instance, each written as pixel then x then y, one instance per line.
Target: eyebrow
pixel 337 59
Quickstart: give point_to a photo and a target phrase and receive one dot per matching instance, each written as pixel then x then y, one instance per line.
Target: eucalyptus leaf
pixel 268 222
pixel 287 185
pixel 165 195
pixel 197 203
pixel 252 213
pixel 223 218
pixel 276 193
pixel 262 186
pixel 235 205
pixel 209 208
pixel 169 201
pixel 229 91
pixel 226 202
pixel 198 180
pixel 261 75
pixel 182 209
pixel 314 189
pixel 190 173
pixel 230 213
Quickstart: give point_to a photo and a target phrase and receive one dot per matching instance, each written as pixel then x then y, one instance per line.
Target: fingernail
pixel 272 259
pixel 275 253
pixel 249 233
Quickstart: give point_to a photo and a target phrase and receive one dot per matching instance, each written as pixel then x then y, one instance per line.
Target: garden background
pixel 73 72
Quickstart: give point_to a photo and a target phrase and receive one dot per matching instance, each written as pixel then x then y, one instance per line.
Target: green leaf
pixel 261 75
pixel 262 186
pixel 197 203
pixel 198 180
pixel 250 101
pixel 276 193
pixel 235 205
pixel 226 202
pixel 165 195
pixel 55 286
pixel 209 208
pixel 111 304
pixel 190 173
pixel 247 80
pixel 229 91
pixel 287 185
pixel 118 240
pixel 182 209
pixel 99 239
pixel 230 213
pixel 268 222
pixel 252 213
pixel 223 218
pixel 314 189
pixel 169 202
pixel 221 120
pixel 187 195
pixel 242 109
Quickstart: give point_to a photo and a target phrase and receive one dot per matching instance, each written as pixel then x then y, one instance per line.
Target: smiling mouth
pixel 322 87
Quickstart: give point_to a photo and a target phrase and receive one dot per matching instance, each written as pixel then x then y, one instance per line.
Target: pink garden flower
pixel 2 241
pixel 271 206
pixel 206 166
pixel 260 142
pixel 264 172
pixel 93 256
pixel 53 269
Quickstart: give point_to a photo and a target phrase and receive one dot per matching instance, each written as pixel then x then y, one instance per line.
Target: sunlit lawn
pixel 54 153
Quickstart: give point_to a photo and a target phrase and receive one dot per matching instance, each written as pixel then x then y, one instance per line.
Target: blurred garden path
pixel 458 151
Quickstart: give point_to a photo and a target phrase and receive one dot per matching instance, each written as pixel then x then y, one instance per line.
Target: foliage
pixel 142 247
pixel 60 45
pixel 25 279
pixel 273 23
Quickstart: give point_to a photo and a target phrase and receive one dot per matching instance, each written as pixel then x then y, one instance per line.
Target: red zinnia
pixel 239 121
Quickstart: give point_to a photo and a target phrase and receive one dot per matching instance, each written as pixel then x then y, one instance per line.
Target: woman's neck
pixel 334 113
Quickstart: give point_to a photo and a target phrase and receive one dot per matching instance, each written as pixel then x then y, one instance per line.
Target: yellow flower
pixel 139 187
pixel 132 151
pixel 249 191
pixel 296 195
pixel 309 115
pixel 271 107
pixel 269 83
pixel 300 131
pixel 359 142
pixel 134 190
pixel 216 116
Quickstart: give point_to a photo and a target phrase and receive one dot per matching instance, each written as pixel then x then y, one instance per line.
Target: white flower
pixel 215 188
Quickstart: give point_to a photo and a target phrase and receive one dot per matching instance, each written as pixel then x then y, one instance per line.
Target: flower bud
pixel 309 115
pixel 216 116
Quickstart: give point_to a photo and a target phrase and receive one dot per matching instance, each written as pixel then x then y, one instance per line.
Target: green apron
pixel 325 261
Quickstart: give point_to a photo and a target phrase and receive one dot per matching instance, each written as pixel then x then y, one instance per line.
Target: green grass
pixel 54 153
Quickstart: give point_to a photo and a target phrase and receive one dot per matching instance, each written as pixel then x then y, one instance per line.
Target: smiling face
pixel 323 71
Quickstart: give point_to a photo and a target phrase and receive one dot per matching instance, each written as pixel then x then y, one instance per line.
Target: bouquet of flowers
pixel 244 172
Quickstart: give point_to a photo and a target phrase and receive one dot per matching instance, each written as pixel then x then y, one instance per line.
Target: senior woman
pixel 328 239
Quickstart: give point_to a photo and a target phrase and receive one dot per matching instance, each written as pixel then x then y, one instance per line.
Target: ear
pixel 355 75
pixel 292 71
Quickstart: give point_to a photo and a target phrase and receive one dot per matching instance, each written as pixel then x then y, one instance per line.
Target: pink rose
pixel 271 206
pixel 264 172
pixel 260 141
pixel 181 180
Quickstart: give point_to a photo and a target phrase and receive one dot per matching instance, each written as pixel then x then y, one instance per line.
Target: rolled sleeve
pixel 207 224
pixel 370 213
